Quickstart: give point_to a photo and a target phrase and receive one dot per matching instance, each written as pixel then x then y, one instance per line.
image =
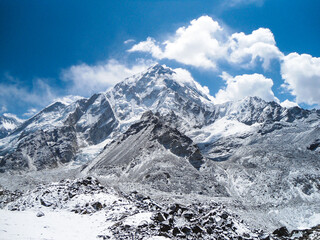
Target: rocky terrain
pixel 133 215
pixel 160 134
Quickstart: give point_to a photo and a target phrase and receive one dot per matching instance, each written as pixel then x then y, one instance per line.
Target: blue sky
pixel 50 49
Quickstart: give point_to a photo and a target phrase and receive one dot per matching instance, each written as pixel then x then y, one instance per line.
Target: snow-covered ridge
pixel 8 122
pixel 156 89
pixel 171 92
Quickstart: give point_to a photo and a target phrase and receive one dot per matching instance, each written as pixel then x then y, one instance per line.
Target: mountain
pixel 8 122
pixel 54 135
pixel 101 117
pixel 161 132
pixel 150 152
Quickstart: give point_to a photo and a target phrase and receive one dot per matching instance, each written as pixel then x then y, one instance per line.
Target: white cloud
pixel 301 74
pixel 150 46
pixel 14 95
pixel 259 45
pixel 67 99
pixel 203 43
pixel 129 41
pixel 10 115
pixel 3 109
pixel 30 112
pixel 196 44
pixel 233 3
pixel 288 104
pixel 39 93
pixel 184 77
pixel 88 79
pixel 245 85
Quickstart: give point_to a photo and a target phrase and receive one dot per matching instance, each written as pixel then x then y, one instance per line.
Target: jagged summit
pixel 8 122
pixel 161 78
pixel 162 90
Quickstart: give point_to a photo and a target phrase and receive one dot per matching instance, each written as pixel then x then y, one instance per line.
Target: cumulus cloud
pixel 245 85
pixel 288 104
pixel 301 74
pixel 196 44
pixel 203 43
pixel 150 46
pixel 259 45
pixel 87 79
pixel 184 77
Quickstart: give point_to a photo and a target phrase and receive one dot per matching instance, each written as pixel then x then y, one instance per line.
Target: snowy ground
pixel 85 209
pixel 70 209
pixel 53 225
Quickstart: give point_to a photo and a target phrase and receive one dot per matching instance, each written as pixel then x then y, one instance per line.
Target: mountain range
pixel 161 131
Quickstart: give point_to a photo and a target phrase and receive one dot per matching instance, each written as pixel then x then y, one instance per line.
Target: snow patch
pixel 223 127
pixel 53 225
pixel 138 219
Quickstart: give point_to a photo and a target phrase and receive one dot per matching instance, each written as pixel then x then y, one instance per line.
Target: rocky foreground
pixel 126 216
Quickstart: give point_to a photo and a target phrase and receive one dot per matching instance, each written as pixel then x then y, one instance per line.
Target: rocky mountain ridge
pixel 162 131
pixel 108 114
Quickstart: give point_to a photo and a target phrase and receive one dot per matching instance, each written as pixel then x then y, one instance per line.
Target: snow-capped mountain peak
pixel 161 77
pixel 8 122
pixel 159 89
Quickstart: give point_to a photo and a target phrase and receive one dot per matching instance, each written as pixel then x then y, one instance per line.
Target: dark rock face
pixel 40 214
pixel 281 232
pixel 178 143
pixel 151 152
pixel 315 145
pixel 3 133
pixel 157 130
pixel 101 128
pixel 42 149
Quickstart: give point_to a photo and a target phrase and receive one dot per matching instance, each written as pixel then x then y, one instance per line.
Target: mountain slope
pixel 150 152
pixel 55 135
pixel 8 123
